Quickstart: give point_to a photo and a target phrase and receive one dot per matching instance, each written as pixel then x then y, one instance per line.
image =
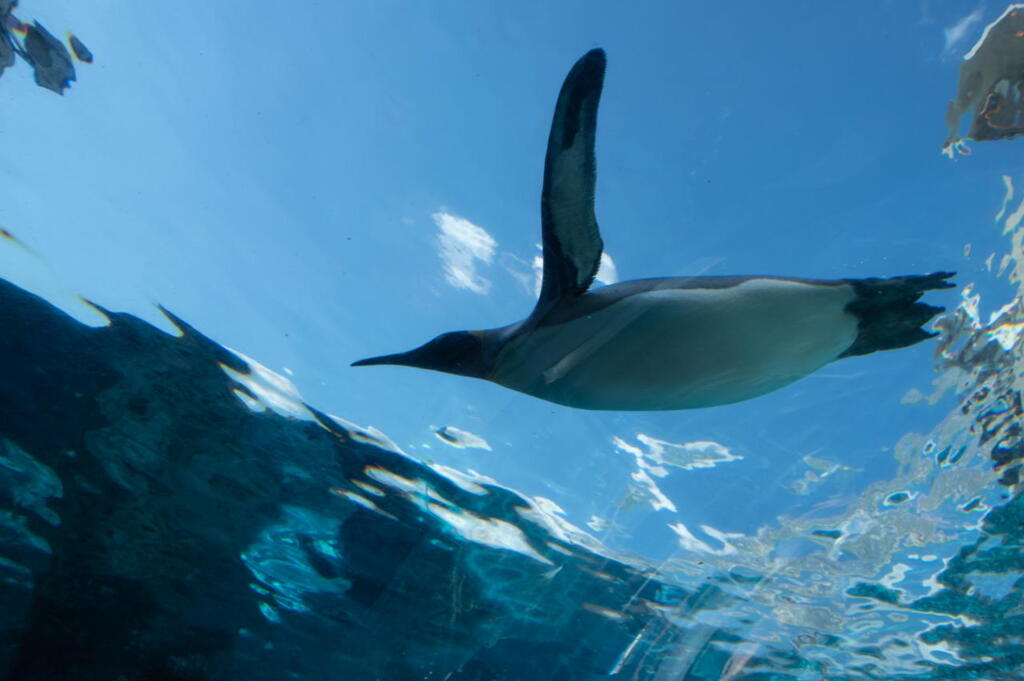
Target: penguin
pixel 663 343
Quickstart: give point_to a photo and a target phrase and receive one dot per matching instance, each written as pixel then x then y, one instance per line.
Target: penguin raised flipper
pixel 668 343
pixel 572 240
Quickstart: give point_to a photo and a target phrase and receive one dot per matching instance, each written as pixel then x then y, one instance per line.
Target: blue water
pixel 311 185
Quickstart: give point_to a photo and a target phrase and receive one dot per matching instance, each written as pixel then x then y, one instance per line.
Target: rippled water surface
pixel 220 209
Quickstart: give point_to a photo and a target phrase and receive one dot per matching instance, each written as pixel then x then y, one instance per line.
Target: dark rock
pixel 158 522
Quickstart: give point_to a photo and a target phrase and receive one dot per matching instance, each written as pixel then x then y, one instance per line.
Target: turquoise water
pixel 310 186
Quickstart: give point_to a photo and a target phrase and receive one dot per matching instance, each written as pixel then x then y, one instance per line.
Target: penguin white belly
pixel 683 348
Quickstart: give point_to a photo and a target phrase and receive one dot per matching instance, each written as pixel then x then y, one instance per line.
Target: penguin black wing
pixel 572 241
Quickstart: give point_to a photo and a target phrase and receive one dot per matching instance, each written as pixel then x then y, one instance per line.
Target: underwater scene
pixel 566 341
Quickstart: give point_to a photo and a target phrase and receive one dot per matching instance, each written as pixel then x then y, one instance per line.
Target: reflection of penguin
pixel 674 343
pixel 991 84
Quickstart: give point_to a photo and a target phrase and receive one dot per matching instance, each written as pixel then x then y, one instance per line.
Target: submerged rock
pixel 163 516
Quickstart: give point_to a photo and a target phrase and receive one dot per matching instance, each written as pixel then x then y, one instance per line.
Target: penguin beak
pixel 402 359
pixel 456 352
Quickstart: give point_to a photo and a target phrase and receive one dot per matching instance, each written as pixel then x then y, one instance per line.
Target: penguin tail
pixel 889 313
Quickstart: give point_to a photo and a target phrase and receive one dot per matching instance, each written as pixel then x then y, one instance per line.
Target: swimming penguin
pixel 670 343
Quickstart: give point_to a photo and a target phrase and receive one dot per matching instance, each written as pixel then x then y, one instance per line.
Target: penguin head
pixel 458 352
